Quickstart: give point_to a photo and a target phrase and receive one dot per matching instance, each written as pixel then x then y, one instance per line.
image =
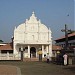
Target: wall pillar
pixel 15 51
pixel 43 51
pixel 47 49
pixel 36 52
pixel 28 51
pixel 50 50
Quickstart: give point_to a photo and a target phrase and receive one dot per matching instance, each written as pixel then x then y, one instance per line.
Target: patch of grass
pixel 39 68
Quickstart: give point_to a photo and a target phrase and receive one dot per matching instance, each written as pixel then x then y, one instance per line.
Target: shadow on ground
pixel 70 68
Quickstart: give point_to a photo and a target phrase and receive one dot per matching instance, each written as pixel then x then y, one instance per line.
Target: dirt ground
pixel 8 70
pixel 34 68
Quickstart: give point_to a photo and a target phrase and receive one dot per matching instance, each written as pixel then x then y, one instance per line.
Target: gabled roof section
pixel 30 24
pixel 32 19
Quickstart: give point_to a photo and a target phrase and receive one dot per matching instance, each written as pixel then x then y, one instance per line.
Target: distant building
pixel 71 47
pixel 71 41
pixel 6 48
pixel 31 37
pixel 6 52
pixel 56 50
pixel 2 44
pixel 71 44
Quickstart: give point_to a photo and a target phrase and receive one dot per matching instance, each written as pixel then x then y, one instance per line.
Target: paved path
pixel 9 70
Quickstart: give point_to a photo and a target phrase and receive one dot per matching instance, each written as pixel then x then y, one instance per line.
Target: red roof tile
pixel 69 35
pixel 6 47
pixel 55 47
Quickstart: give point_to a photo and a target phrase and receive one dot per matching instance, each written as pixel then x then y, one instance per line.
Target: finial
pixel 49 28
pixel 33 12
pixel 39 21
pixel 26 19
pixel 15 27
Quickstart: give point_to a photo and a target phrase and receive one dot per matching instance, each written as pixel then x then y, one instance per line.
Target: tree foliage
pixel 1 40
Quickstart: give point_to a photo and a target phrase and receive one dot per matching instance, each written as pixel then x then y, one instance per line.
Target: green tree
pixel 1 41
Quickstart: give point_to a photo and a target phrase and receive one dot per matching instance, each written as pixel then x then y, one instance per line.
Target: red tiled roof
pixel 6 47
pixel 55 47
pixel 69 35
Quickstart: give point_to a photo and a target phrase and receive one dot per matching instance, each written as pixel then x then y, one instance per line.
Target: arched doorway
pixel 32 52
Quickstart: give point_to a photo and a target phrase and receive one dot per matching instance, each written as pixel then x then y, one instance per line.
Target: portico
pixel 31 51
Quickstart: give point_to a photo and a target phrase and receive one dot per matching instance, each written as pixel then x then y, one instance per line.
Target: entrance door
pixel 32 52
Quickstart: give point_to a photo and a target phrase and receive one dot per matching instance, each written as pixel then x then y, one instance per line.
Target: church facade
pixel 31 37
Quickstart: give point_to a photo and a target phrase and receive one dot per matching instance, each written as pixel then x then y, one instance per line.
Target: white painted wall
pixel 32 32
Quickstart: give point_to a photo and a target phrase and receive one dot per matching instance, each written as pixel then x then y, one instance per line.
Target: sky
pixel 52 13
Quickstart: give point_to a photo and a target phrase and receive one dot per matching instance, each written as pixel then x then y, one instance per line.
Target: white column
pixel 15 50
pixel 47 49
pixel 28 51
pixel 50 50
pixel 42 50
pixel 36 52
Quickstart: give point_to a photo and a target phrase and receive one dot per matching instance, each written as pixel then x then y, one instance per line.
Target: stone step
pixel 33 59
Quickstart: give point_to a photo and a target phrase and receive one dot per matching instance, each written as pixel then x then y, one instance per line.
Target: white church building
pixel 32 36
